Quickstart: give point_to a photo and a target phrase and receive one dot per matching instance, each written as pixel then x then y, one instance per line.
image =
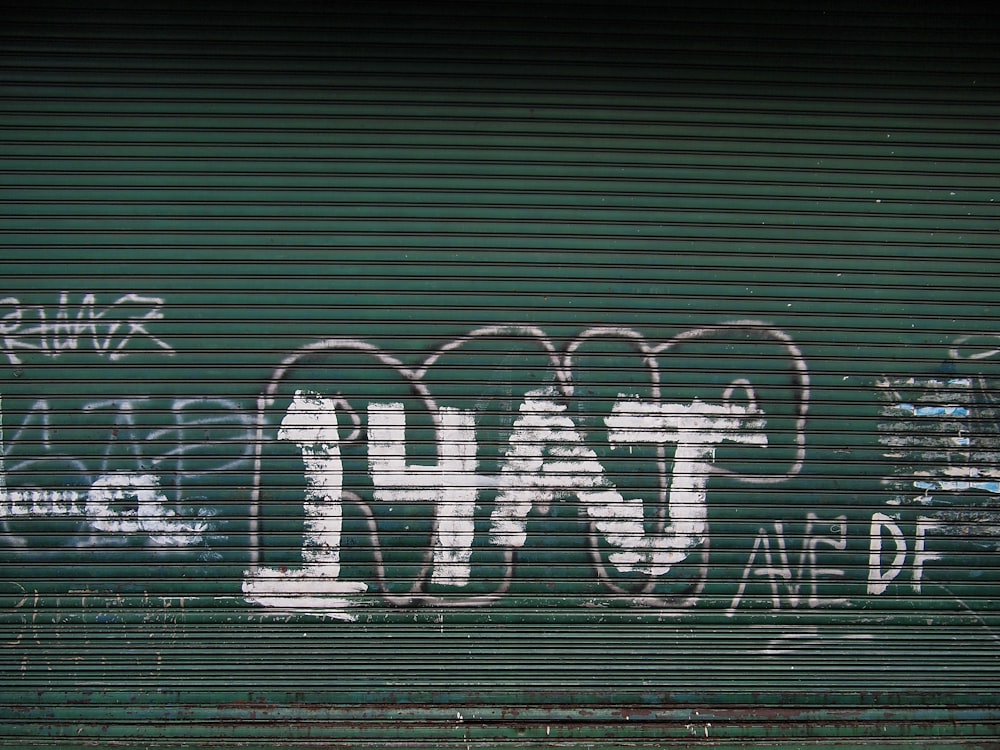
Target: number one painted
pixel 311 423
pixel 3 457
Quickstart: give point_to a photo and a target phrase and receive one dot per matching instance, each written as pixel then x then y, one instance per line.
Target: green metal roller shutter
pixel 380 375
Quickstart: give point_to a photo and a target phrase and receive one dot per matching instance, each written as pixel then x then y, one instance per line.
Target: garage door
pixel 377 375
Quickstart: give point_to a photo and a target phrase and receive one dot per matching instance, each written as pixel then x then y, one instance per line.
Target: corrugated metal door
pixel 376 375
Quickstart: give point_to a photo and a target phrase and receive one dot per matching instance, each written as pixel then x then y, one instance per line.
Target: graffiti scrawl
pixel 543 457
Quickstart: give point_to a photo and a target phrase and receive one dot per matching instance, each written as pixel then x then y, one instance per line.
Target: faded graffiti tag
pixel 120 495
pixel 374 481
pixel 112 331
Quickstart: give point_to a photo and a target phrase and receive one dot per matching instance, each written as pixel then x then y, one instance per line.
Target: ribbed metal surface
pixel 650 357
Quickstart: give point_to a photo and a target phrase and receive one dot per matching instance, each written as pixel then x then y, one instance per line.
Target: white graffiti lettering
pixel 112 331
pixel 880 575
pixel 119 504
pixel 119 490
pixel 696 429
pixel 796 585
pixel 631 469
pixel 547 458
pixel 311 423
pixel 451 484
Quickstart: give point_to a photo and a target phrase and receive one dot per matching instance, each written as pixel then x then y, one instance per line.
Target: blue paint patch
pixel 958 486
pixel 936 411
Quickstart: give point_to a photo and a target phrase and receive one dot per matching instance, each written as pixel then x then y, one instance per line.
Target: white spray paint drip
pixel 451 485
pixel 530 478
pixel 311 423
pixel 696 429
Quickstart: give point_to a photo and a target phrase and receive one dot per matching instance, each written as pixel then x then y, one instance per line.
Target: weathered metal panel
pixel 382 376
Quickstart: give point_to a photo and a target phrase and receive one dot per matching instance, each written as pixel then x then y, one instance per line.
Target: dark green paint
pixel 278 176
